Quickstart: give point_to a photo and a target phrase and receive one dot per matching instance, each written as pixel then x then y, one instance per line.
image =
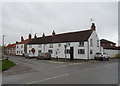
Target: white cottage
pixel 21 47
pixel 75 45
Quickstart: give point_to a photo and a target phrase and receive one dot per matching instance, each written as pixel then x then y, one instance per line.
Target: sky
pixel 21 18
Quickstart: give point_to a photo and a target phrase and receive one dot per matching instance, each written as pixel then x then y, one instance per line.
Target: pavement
pixel 33 71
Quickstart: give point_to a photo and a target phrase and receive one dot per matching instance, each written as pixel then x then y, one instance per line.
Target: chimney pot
pixel 16 42
pixel 53 33
pixel 29 37
pixel 43 35
pixel 35 36
pixel 22 38
pixel 93 27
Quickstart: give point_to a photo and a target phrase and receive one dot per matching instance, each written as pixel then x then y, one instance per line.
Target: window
pixel 30 46
pixel 91 42
pixel 91 52
pixel 97 43
pixel 67 51
pixel 17 46
pixel 39 46
pixel 29 51
pixel 51 46
pixel 59 45
pixel 39 51
pixel 81 51
pixel 50 51
pixel 68 44
pixel 17 52
pixel 21 46
pixel 96 35
pixel 81 44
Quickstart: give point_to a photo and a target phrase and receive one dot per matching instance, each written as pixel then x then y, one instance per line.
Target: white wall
pixel 94 48
pixel 111 52
pixel 61 50
pixel 20 49
pixel 76 47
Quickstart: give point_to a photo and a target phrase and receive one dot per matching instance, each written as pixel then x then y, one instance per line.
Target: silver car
pixel 101 56
pixel 29 55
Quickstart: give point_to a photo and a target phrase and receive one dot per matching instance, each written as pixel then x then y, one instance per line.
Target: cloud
pixel 43 17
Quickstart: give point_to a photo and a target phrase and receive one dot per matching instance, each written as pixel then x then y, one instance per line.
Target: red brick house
pixel 18 48
pixel 10 49
pixel 109 47
pixel 106 43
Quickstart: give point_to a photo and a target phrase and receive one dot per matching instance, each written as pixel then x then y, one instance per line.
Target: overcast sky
pixel 20 19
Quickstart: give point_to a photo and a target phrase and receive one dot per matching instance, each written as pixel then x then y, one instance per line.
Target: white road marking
pixel 47 79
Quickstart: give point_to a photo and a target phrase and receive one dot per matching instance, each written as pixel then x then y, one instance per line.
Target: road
pixel 33 71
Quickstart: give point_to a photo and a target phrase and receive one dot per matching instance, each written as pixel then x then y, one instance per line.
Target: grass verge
pixel 6 64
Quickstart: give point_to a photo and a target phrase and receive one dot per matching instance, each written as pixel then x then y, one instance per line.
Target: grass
pixel 6 64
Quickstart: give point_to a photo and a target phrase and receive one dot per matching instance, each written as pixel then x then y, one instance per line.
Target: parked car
pixel 101 56
pixel 44 56
pixel 29 55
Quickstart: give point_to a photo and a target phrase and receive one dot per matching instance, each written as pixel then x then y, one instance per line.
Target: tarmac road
pixel 33 71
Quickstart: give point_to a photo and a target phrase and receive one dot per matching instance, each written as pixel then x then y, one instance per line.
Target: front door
pixel 71 53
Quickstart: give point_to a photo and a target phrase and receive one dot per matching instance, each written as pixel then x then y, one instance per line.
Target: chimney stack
pixel 35 36
pixel 53 33
pixel 22 38
pixel 43 35
pixel 29 37
pixel 16 42
pixel 93 27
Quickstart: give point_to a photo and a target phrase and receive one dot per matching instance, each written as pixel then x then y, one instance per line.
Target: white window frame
pixel 81 44
pixel 81 52
pixel 97 43
pixel 91 42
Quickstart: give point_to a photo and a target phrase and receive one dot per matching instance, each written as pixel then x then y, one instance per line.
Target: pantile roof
pixel 65 37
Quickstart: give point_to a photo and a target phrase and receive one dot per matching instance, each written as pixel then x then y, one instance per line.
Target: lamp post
pixel 3 45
